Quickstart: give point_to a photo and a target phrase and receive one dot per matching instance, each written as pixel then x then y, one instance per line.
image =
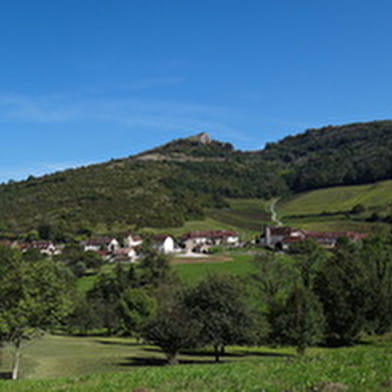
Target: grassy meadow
pixel 97 364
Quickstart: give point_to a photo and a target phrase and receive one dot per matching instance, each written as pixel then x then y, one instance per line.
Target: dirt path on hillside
pixel 274 215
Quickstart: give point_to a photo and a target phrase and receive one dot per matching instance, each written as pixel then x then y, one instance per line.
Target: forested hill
pixel 170 184
pixel 350 154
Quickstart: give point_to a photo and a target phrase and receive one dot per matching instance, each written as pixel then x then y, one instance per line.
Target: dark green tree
pixel 154 266
pixel 376 256
pixel 301 320
pixel 308 255
pixel 136 307
pixel 104 299
pixel 83 318
pixel 224 313
pixel 172 328
pixel 341 286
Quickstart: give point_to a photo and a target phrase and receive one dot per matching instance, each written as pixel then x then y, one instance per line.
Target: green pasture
pixel 376 196
pixel 96 364
pixel 329 209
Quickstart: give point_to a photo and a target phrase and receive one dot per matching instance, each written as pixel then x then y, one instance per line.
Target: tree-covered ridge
pixel 344 155
pixel 135 192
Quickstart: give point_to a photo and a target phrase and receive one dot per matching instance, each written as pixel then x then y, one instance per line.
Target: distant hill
pixel 171 184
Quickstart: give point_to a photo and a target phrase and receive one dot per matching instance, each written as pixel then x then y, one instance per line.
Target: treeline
pixel 135 193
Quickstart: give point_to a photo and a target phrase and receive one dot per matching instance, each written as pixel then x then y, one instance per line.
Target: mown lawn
pixel 107 364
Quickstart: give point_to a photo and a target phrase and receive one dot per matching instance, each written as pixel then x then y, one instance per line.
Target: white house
pixel 164 244
pixel 133 241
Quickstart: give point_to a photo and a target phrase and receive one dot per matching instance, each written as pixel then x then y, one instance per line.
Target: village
pixel 190 244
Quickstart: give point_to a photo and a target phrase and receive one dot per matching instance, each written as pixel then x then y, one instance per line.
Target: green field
pixel 98 364
pixel 238 264
pixel 193 270
pixel 328 209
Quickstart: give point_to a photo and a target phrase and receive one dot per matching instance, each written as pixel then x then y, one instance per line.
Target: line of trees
pixel 312 297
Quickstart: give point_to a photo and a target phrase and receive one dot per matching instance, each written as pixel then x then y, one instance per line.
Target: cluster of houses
pixel 127 250
pixel 282 237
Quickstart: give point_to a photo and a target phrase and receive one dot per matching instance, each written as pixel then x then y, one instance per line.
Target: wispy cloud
pixel 130 112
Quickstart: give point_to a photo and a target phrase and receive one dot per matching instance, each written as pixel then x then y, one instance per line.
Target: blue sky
pixel 87 81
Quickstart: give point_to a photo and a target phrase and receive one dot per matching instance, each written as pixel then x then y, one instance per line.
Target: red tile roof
pixel 160 237
pixel 281 230
pixel 209 234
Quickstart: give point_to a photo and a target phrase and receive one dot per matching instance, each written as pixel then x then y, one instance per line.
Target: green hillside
pixel 332 208
pixel 188 182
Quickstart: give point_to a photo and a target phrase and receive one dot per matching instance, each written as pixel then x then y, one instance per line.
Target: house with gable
pixel 164 243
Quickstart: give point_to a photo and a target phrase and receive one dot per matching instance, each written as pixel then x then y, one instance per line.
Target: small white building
pixel 164 244
pixel 133 241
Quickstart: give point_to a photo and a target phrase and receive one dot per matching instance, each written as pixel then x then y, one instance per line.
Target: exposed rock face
pixel 202 138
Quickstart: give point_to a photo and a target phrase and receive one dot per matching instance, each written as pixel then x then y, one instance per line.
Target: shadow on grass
pixel 139 362
pixel 195 353
pixel 266 354
pixel 239 354
pixel 5 375
pixel 116 343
